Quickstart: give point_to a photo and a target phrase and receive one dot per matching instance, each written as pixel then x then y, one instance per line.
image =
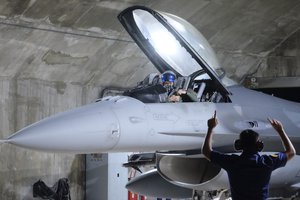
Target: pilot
pixel 249 173
pixel 168 79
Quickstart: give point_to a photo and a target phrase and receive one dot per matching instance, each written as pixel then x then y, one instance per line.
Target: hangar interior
pixel 58 55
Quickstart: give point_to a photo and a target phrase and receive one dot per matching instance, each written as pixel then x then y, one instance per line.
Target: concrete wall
pixel 57 55
pixel 284 60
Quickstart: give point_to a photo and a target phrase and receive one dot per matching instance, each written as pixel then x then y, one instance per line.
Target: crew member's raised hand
pixel 276 124
pixel 213 122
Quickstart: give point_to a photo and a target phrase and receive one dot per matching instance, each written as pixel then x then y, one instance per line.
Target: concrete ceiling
pixel 60 54
pixel 83 42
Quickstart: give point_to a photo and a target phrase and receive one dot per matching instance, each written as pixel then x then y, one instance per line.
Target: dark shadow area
pixel 288 93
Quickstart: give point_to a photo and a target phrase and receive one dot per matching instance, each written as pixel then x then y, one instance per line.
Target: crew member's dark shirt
pixel 249 174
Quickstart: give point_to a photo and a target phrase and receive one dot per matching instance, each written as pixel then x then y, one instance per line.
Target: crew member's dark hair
pixel 248 139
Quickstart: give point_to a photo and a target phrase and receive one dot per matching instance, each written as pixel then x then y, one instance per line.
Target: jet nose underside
pixel 90 129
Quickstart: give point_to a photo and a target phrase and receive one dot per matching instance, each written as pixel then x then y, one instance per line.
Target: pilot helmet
pixel 168 76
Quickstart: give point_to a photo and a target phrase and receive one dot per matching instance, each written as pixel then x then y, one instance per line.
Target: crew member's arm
pixel 288 146
pixel 207 145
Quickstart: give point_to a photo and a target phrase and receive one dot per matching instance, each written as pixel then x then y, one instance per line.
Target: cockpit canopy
pixel 172 43
pixel 169 48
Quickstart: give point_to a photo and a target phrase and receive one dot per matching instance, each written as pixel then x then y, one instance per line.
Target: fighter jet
pixel 142 121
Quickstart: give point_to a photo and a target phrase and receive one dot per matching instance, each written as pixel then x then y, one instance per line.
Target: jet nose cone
pixel 89 129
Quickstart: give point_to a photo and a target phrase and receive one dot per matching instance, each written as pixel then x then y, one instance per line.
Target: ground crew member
pixel 249 173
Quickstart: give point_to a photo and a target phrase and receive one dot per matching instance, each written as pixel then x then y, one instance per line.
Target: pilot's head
pixel 168 78
pixel 249 141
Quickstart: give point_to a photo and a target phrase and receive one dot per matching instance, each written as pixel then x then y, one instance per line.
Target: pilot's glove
pixel 181 91
pixel 174 98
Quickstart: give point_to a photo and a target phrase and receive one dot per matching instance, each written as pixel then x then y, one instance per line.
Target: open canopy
pixel 171 43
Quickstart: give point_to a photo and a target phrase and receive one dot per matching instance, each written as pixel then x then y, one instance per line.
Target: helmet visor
pixel 168 77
